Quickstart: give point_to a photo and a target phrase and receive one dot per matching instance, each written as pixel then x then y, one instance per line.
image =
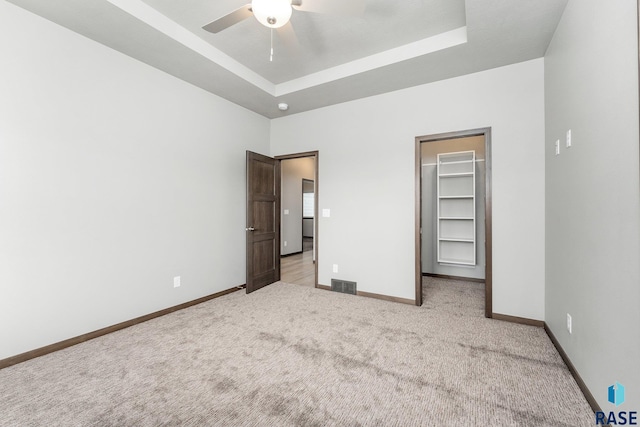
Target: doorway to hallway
pixel 299 230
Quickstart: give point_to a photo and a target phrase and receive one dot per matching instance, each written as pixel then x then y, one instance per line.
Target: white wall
pixel 293 171
pixel 114 177
pixel 593 194
pixel 367 152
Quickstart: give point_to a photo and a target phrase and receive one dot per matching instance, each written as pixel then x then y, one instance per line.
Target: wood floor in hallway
pixel 298 269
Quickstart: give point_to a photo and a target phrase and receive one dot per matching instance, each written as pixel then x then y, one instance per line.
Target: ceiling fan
pixel 276 13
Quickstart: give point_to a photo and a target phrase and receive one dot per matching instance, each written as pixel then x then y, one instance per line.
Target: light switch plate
pixel 326 213
pixel 286 211
pixel 568 138
pixel 557 147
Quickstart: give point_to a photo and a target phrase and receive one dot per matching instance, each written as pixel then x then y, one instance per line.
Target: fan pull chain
pixel 271 55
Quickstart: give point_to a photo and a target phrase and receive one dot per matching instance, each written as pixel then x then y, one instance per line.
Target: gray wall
pixel 367 179
pixel 593 195
pixel 430 151
pixel 293 172
pixel 114 178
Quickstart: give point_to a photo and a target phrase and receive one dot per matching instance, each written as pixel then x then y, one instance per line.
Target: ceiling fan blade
pixel 331 7
pixel 289 38
pixel 230 19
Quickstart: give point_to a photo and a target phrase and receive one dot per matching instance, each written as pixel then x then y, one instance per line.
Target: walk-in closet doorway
pixel 453 209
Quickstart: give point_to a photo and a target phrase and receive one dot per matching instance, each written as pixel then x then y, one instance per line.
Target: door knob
pixel 250 229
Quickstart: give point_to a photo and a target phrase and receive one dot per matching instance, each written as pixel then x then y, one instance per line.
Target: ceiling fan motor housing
pixel 272 13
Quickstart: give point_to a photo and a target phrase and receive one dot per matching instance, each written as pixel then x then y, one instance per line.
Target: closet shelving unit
pixel 456 206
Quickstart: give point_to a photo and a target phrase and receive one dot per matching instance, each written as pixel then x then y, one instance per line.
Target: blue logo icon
pixel 616 394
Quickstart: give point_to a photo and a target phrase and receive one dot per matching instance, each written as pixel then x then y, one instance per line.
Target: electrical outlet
pixel 335 268
pixel 557 147
pixel 176 282
pixel 569 326
pixel 568 140
pixel 285 243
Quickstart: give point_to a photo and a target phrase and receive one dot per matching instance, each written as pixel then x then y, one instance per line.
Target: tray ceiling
pixel 319 60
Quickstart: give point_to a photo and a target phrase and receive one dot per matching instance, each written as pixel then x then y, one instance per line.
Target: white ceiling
pixel 324 40
pixel 318 59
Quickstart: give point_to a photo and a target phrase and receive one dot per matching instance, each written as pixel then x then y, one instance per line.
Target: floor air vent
pixel 343 286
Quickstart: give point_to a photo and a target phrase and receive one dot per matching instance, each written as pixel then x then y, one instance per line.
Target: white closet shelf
pixel 456 162
pixel 456 261
pixel 456 174
pixel 457 217
pixel 456 231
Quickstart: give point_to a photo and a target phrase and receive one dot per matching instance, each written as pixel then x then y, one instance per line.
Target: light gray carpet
pixel 293 355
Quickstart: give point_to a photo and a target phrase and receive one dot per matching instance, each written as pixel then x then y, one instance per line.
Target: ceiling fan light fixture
pixel 272 13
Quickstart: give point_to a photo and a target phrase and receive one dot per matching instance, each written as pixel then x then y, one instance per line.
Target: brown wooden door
pixel 263 221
